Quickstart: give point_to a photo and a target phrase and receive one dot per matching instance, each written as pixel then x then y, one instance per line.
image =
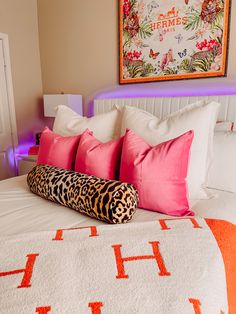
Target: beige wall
pixel 18 18
pixel 79 49
pixel 78 45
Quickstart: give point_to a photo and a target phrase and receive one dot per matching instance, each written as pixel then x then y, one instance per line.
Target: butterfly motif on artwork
pixel 151 6
pixel 179 37
pixel 183 54
pixel 153 54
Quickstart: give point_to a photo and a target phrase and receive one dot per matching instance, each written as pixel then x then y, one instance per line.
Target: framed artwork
pixel 172 39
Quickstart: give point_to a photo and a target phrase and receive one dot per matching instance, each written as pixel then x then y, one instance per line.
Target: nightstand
pixel 26 163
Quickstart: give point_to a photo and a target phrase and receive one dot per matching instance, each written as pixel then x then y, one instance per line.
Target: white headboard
pixel 162 107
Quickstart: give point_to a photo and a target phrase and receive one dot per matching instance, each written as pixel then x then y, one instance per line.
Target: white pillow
pixel 199 117
pixel 105 126
pixel 222 173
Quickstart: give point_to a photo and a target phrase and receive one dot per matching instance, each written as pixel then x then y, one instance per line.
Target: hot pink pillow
pixel 159 172
pixel 56 150
pixel 97 158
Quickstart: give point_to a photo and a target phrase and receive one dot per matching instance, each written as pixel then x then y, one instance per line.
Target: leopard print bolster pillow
pixel 110 201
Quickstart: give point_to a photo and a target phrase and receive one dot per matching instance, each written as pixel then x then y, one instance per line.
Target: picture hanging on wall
pixel 173 39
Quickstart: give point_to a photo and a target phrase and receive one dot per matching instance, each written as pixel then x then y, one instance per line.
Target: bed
pixel 32 213
pixel 86 281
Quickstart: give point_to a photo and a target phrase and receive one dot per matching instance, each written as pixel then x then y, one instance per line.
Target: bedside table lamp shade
pixel 52 101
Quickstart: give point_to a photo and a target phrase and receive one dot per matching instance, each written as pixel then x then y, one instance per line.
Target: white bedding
pixel 21 211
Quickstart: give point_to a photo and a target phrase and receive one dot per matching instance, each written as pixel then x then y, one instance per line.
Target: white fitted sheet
pixel 21 211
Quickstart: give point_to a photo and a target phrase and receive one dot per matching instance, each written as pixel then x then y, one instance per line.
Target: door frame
pixel 10 96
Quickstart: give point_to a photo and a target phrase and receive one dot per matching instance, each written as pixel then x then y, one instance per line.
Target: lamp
pixel 52 101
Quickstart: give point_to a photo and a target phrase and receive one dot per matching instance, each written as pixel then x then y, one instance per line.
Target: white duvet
pixel 21 211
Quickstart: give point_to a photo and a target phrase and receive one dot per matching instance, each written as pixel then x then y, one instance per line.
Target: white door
pixel 7 152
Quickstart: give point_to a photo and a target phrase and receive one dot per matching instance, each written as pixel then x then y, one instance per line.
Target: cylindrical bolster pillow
pixel 110 201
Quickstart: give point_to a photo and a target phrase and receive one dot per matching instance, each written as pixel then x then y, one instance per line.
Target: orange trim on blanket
pixel 225 234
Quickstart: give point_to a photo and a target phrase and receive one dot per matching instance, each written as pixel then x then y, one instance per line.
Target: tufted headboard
pixel 162 107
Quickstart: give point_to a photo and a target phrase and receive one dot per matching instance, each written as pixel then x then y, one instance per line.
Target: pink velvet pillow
pixel 97 158
pixel 159 172
pixel 56 150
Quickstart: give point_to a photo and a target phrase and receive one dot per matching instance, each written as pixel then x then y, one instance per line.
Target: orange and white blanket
pixel 166 266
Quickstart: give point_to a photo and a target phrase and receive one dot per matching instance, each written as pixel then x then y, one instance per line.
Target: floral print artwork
pixel 170 39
